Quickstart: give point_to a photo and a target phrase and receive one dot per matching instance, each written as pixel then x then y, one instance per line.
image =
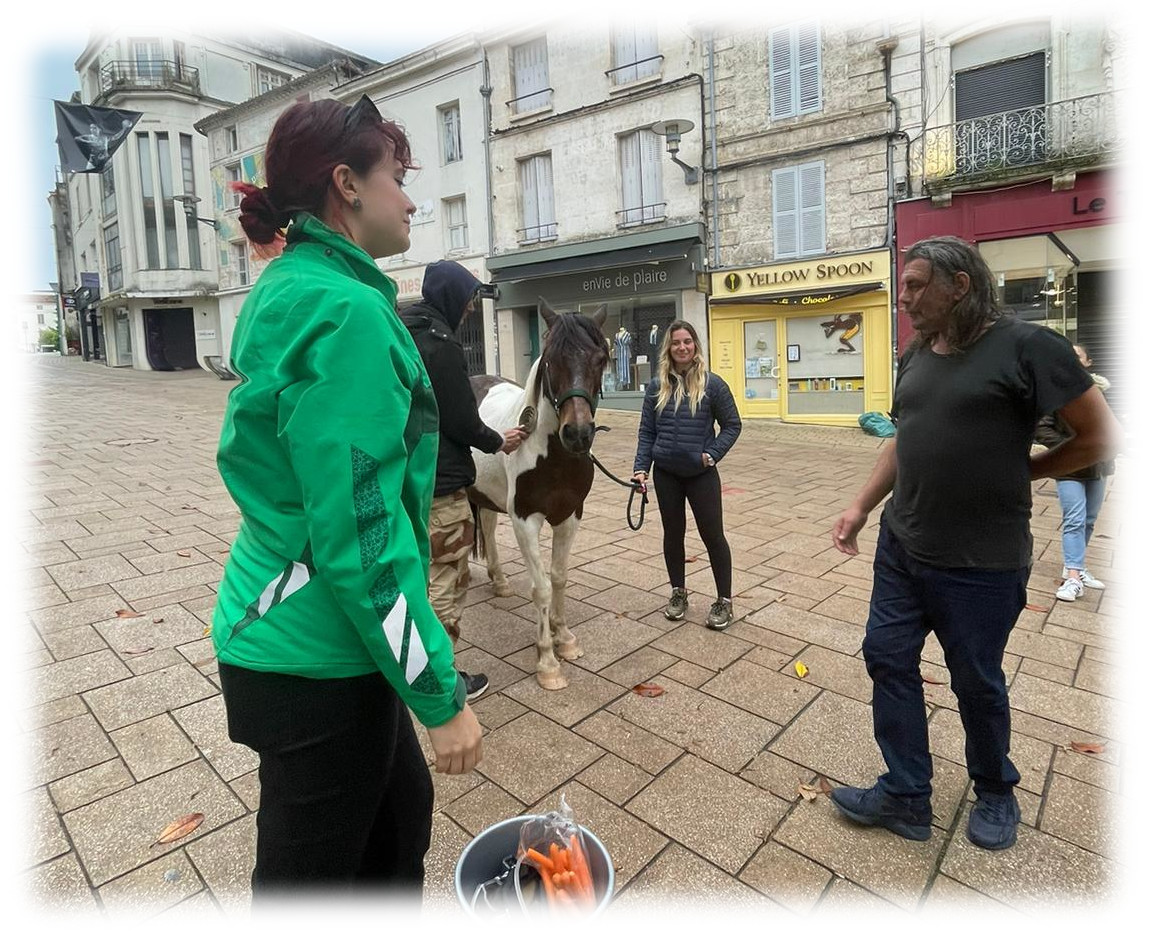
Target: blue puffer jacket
pixel 676 440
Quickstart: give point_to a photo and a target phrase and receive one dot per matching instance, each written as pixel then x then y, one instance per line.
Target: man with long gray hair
pixel 954 548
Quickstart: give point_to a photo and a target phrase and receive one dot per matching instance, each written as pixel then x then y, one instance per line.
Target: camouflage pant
pixel 451 537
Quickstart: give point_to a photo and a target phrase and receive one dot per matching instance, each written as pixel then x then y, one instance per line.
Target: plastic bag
pixel 876 424
pixel 553 843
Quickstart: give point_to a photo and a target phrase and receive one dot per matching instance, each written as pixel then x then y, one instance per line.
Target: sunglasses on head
pixel 363 112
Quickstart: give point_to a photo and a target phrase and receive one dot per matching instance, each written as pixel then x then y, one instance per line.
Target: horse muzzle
pixel 577 438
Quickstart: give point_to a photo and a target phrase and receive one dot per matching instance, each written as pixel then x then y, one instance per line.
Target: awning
pixel 811 296
pixel 612 259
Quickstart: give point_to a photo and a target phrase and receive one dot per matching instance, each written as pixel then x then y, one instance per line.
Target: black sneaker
pixel 721 615
pixel 993 820
pixel 476 684
pixel 677 606
pixel 871 806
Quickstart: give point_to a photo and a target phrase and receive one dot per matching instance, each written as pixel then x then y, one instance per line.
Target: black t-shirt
pixel 965 424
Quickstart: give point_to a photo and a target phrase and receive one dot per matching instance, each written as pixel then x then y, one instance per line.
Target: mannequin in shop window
pixel 652 345
pixel 623 358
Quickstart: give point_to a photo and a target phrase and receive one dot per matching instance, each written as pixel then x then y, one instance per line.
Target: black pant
pixel 702 492
pixel 346 794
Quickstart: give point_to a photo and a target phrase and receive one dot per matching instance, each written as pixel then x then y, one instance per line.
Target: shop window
pixel 761 361
pixel 794 60
pixel 798 210
pixel 538 195
pixel 531 81
pixel 824 354
pixel 1036 280
pixel 641 178
pixel 635 53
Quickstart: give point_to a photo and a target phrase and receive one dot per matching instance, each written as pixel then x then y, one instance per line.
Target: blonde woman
pixel 677 434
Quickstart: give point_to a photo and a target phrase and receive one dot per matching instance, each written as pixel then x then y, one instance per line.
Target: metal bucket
pixel 482 860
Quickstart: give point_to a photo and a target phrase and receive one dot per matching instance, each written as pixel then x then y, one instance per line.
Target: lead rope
pixel 634 486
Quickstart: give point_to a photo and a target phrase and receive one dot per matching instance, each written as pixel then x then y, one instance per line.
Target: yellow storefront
pixel 808 342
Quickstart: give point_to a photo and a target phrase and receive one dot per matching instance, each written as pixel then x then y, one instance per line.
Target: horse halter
pixel 558 400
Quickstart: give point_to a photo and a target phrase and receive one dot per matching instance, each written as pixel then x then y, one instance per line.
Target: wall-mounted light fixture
pixel 189 204
pixel 671 131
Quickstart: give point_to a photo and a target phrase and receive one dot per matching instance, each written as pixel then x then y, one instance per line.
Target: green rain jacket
pixel 329 448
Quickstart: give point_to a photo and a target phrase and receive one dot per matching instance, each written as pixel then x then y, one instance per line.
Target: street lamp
pixel 189 204
pixel 671 131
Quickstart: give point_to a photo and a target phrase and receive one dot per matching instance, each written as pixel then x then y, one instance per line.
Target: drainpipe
pixel 485 91
pixel 886 46
pixel 711 39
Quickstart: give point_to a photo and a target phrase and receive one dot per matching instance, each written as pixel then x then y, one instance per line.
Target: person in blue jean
pixel 1080 495
pixel 954 549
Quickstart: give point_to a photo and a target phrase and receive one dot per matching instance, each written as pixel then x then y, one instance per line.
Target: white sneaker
pixel 1089 581
pixel 1070 590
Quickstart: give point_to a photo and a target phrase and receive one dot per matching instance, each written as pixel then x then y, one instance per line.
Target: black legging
pixel 703 494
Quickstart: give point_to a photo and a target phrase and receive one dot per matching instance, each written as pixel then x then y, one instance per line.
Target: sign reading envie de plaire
pixel 848 269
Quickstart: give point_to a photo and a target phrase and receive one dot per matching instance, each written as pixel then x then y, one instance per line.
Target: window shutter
pixel 545 184
pixel 780 58
pixel 808 67
pixel 812 208
pixel 530 197
pixel 784 213
pixel 632 179
pixel 651 158
pixel 624 44
pixel 1010 85
pixel 646 46
pixel 531 74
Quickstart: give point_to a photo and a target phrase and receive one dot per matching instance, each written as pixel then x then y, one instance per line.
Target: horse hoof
pixel 569 651
pixel 551 681
pixel 503 589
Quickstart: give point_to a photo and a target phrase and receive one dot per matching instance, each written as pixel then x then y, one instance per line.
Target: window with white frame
pixel 240 255
pixel 113 255
pixel 108 192
pixel 454 210
pixel 634 53
pixel 450 131
pixel 794 61
pixel 231 139
pixel 538 193
pixel 531 81
pixel 641 177
pixel 798 210
pixel 232 174
pixel 267 79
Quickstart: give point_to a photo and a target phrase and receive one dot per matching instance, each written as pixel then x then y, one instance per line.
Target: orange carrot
pixel 582 870
pixel 555 856
pixel 540 860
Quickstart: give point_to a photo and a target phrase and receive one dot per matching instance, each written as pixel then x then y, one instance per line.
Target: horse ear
pixel 600 316
pixel 546 312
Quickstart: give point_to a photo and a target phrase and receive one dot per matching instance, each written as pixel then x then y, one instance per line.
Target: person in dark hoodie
pixel 449 294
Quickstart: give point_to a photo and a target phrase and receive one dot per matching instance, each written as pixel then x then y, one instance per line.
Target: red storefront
pixel 1053 253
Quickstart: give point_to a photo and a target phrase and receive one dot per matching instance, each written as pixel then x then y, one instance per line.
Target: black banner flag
pixel 87 137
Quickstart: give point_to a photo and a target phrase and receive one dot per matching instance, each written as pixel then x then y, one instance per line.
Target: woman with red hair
pixel 322 628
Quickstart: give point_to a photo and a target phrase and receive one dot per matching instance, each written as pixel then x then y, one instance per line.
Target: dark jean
pixel 971 612
pixel 705 496
pixel 346 794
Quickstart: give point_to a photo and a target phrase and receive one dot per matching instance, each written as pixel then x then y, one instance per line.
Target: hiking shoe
pixel 677 606
pixel 476 684
pixel 721 615
pixel 1089 581
pixel 1070 590
pixel 993 820
pixel 871 806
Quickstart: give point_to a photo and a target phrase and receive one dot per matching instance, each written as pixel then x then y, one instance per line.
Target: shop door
pixel 762 368
pixel 170 342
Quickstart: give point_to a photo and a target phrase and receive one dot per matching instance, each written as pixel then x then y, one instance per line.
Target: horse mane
pixel 571 332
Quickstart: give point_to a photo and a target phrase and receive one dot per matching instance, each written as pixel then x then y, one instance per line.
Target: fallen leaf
pixel 178 829
pixel 801 669
pixel 129 614
pixel 648 690
pixel 133 652
pixel 184 554
pixel 1088 748
pixel 825 787
pixel 692 559
pixel 930 680
pixel 807 791
pixel 206 631
pixel 1035 608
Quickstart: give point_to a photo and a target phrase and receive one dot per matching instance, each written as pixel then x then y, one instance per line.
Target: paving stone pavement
pixel 694 792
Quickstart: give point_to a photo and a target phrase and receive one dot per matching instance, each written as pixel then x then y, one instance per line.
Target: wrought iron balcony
pixel 149 75
pixel 1063 134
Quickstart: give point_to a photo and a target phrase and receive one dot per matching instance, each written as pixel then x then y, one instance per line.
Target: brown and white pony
pixel 549 476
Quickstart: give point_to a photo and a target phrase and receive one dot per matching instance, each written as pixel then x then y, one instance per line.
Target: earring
pixel 357 203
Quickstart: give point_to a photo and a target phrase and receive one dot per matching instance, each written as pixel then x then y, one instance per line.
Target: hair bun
pixel 260 218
